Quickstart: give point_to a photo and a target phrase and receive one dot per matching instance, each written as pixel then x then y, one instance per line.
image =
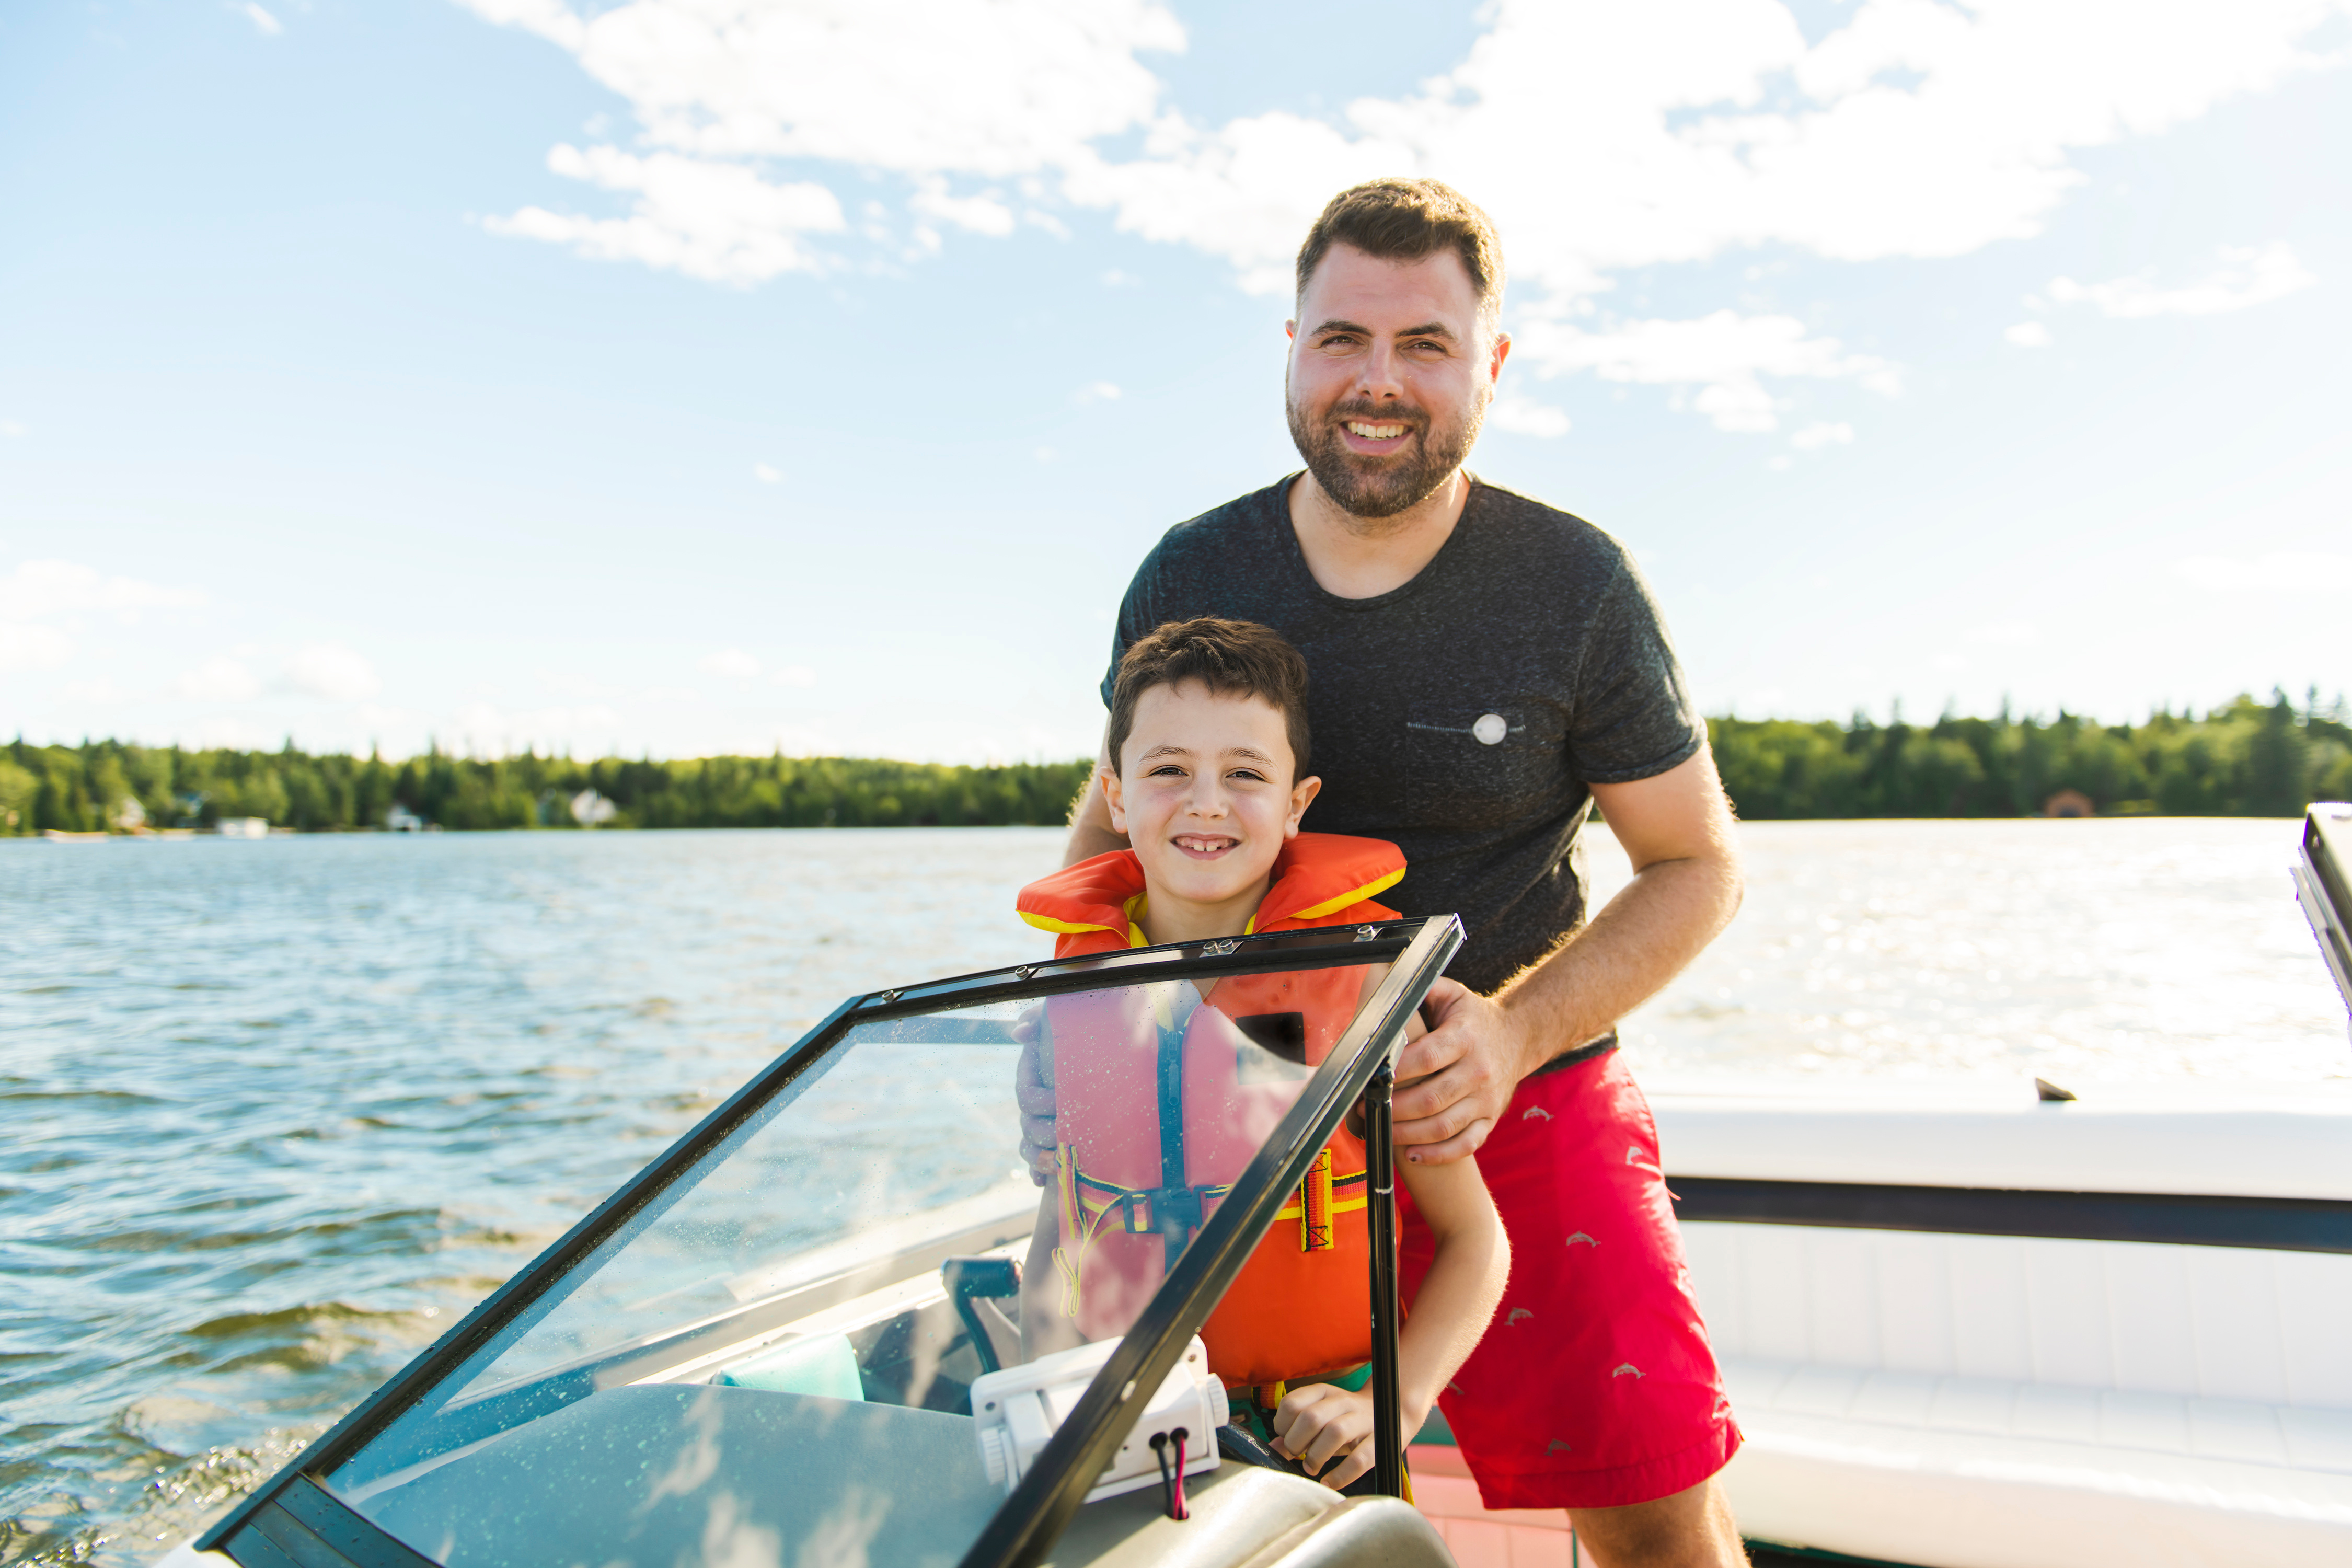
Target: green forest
pixel 2248 759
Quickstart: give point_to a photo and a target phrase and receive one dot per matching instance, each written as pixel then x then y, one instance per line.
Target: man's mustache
pixel 1373 413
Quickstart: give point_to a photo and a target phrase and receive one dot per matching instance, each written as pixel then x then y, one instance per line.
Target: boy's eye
pixel 1166 770
pixel 1250 774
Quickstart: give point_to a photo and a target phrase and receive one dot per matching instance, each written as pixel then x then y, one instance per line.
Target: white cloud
pixel 12 430
pixel 767 475
pixel 1723 354
pixel 1526 417
pixel 717 221
pixel 267 25
pixel 1603 138
pixel 983 214
pixel 1097 392
pixel 1813 437
pixel 921 88
pixel 734 664
pixel 2248 277
pixel 25 647
pixel 218 679
pixel 2279 572
pixel 2029 335
pixel 333 671
pixel 485 728
pixel 2004 634
pixel 39 590
pixel 38 593
pixel 799 674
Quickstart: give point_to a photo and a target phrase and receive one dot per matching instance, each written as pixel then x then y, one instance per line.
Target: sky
pixel 695 376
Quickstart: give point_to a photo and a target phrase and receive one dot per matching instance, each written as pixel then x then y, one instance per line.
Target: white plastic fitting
pixel 1018 1410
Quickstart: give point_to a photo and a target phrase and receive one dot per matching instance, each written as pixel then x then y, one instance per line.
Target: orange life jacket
pixel 1163 1095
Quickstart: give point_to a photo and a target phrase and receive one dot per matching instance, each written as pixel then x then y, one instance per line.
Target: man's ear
pixel 1290 330
pixel 1111 798
pixel 1302 795
pixel 1502 352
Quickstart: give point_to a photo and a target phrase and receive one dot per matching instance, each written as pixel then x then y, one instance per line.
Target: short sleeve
pixel 1633 716
pixel 1135 619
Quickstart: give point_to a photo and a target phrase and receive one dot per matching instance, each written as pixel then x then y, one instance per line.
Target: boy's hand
pixel 1035 1098
pixel 1322 1424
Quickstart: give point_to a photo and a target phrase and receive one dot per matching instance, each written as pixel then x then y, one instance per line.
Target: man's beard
pixel 1382 487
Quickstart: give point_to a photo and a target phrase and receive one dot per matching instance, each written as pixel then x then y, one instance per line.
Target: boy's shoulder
pixel 1329 878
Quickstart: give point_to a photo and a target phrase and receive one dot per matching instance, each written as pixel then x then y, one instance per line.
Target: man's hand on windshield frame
pixel 1458 1079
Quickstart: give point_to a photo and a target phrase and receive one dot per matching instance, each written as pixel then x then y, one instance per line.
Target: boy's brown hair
pixel 1404 220
pixel 1231 659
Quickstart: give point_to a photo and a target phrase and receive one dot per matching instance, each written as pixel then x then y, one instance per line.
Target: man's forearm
pixel 1091 833
pixel 1641 940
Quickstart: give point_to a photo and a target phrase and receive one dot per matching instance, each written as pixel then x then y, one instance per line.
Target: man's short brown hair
pixel 1404 220
pixel 1231 659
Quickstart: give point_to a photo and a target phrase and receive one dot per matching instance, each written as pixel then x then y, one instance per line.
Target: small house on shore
pixel 2069 802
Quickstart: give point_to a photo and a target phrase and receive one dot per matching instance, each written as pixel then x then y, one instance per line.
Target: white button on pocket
pixel 1490 728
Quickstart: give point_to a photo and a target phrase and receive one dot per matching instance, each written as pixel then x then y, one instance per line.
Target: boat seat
pixel 2008 1402
pixel 1975 1472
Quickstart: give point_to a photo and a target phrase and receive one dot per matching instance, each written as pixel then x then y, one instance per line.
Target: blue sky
pixel 700 375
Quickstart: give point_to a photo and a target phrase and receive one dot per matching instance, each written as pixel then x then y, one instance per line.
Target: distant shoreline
pixel 2248 759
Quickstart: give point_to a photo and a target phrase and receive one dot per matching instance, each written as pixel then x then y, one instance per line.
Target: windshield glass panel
pixel 773 1357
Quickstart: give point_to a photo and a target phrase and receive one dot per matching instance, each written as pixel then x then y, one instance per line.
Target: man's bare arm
pixel 1678 830
pixel 1091 833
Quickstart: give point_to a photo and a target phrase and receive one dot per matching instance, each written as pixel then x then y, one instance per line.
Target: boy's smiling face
pixel 1204 794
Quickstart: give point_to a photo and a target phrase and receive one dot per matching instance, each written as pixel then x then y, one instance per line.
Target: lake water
pixel 276 1112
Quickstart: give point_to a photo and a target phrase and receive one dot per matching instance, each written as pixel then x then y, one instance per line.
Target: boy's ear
pixel 1111 798
pixel 1302 795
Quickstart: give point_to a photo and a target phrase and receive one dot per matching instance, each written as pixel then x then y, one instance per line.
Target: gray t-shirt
pixel 1527 614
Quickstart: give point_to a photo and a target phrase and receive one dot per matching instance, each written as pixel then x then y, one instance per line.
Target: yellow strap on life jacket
pixel 1314 1207
pixel 1317 1204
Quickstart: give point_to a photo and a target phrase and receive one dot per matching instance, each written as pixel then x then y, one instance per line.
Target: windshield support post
pixel 1388 1394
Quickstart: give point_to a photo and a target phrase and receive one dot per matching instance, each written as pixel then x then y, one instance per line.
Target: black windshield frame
pixel 1025 1528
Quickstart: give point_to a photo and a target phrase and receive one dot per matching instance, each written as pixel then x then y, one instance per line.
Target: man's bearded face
pixel 1433 443
pixel 1391 369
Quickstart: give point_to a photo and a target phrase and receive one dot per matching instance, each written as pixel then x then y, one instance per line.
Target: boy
pixel 1208 741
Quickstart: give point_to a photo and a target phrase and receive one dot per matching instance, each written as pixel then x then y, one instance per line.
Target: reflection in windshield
pixel 770 1361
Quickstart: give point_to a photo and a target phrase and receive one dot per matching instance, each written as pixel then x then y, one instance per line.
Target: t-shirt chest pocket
pixel 1473 767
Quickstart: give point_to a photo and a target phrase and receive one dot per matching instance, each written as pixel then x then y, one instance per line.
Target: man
pixel 1484 668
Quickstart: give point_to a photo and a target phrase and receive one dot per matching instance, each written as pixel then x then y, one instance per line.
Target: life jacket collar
pixel 1320 879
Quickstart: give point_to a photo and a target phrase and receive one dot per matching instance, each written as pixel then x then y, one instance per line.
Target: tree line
pixel 113 785
pixel 2246 759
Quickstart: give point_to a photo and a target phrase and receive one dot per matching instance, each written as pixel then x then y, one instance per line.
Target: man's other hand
pixel 1459 1076
pixel 1035 1098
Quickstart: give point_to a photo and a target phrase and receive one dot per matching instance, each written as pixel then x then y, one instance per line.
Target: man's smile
pixel 1372 432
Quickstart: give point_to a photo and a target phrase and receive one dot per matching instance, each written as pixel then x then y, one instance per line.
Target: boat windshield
pixel 762 1350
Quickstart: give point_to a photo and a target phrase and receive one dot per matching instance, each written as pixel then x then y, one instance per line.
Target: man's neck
pixel 1364 557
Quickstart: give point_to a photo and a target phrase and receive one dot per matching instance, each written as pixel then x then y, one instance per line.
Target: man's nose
pixel 1379 373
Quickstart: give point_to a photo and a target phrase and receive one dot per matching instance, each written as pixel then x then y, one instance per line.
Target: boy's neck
pixel 1168 919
